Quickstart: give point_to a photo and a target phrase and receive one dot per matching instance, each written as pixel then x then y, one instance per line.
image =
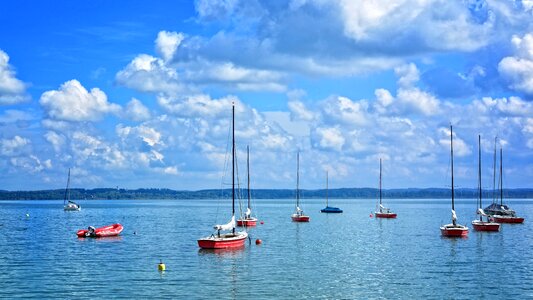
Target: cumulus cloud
pixel 150 74
pixel 167 43
pixel 72 102
pixel 14 146
pixel 198 105
pixel 30 163
pixel 136 111
pixel 518 70
pixel 12 90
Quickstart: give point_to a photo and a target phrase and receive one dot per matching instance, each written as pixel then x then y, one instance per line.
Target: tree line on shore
pixel 341 193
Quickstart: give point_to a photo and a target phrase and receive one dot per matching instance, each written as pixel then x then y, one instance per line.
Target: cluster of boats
pixel 226 235
pixel 492 216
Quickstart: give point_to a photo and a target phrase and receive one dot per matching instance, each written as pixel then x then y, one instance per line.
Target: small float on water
pixel 105 231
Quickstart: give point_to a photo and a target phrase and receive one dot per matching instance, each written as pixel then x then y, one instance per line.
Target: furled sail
pixel 454 216
pixel 248 212
pixel 228 226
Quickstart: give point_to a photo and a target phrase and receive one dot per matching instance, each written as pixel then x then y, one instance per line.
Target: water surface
pixel 338 256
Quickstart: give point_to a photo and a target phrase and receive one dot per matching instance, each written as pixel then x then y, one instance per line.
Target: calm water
pixel 344 256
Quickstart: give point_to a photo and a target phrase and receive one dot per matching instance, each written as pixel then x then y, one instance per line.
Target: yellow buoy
pixel 161 266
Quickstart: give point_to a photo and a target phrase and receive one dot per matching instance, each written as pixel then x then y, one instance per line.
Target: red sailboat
pixel 453 229
pixel 231 239
pixel 248 220
pixel 298 215
pixel 504 214
pixel 105 231
pixel 383 212
pixel 481 225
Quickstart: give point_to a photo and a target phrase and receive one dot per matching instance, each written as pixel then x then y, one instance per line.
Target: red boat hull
pixel 385 215
pixel 222 242
pixel 300 218
pixel 454 232
pixel 511 220
pixel 105 231
pixel 247 222
pixel 486 226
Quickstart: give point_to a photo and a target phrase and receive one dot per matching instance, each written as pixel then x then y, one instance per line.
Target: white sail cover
pixel 298 209
pixel 228 226
pixel 480 211
pixel 381 206
pixel 454 216
pixel 248 212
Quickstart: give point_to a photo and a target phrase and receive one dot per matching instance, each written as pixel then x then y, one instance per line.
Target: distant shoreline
pixel 341 193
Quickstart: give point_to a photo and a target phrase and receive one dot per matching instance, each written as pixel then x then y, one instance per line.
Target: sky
pixel 139 94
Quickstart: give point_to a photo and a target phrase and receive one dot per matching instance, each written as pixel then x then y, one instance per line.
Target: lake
pixel 337 256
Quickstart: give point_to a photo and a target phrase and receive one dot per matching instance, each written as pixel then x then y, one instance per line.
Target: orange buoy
pixel 258 242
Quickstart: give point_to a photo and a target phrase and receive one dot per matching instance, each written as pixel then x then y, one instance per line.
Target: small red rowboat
pixel 109 230
pixel 508 219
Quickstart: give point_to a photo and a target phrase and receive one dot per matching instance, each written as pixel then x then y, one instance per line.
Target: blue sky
pixel 136 94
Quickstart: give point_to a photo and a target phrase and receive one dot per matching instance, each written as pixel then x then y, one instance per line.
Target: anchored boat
pixel 453 229
pixel 231 239
pixel 383 212
pixel 105 231
pixel 481 225
pixel 298 215
pixel 248 220
pixel 329 209
pixel 69 205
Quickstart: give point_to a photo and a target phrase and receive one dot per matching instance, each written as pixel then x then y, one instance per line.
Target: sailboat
pixel 502 213
pixel 329 209
pixel 298 215
pixel 481 225
pixel 69 205
pixel 231 239
pixel 383 212
pixel 453 229
pixel 248 220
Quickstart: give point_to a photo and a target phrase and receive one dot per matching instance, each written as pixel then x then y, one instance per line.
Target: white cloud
pixel 408 75
pixel 150 74
pixel 72 102
pixel 167 43
pixel 460 147
pixel 299 111
pixel 343 110
pixel 136 111
pixel 198 105
pixel 12 90
pixel 14 146
pixel 30 163
pixel 416 100
pixel 147 134
pixel 518 70
pixel 57 140
pixel 329 138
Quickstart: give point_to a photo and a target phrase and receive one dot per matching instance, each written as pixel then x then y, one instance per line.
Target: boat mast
pixel 479 175
pixel 67 190
pixel 327 188
pixel 233 163
pixel 494 174
pixel 248 169
pixel 380 184
pixel 451 151
pixel 501 177
pixel 298 179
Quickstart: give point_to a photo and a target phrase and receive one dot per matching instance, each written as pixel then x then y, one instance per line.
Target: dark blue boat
pixel 329 209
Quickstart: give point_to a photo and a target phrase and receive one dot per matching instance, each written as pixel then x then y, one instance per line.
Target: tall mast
pixel 248 169
pixel 233 163
pixel 451 150
pixel 380 183
pixel 298 179
pixel 501 177
pixel 67 190
pixel 479 174
pixel 327 188
pixel 494 174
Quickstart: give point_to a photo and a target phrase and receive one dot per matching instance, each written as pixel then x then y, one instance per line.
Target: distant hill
pixel 344 193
